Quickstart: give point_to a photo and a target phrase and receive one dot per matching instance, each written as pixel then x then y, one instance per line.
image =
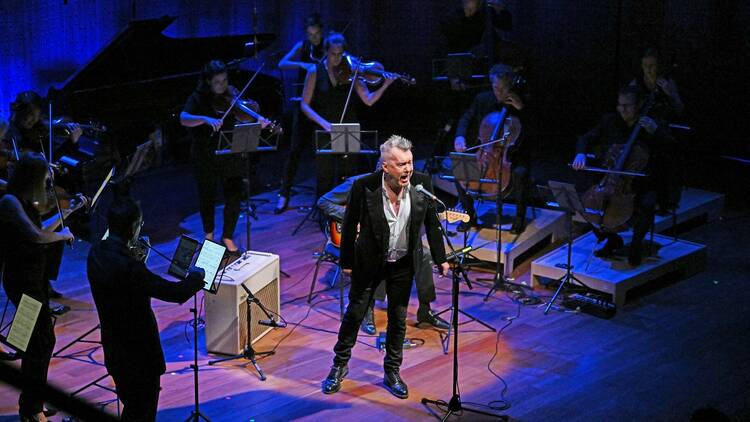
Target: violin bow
pixel 351 88
pixel 235 99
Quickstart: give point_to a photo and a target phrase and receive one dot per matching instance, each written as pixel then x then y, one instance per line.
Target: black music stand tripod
pixel 455 405
pixel 249 352
pixel 567 197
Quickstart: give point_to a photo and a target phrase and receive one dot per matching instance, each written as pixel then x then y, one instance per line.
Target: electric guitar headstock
pixel 453 215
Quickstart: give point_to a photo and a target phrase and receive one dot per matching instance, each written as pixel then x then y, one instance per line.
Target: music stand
pixel 344 139
pixel 243 139
pixel 567 198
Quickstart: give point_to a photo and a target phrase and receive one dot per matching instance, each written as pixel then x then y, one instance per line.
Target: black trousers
pixel 398 277
pixel 302 137
pixel 644 209
pixel 423 280
pixel 208 177
pixel 139 395
pixel 35 361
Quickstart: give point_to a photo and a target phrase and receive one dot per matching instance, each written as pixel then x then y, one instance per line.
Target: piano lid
pixel 140 53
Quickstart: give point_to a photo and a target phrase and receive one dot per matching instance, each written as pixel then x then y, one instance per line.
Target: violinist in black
pixel 203 121
pixel 29 128
pixel 323 99
pixel 25 247
pixel 303 56
pixel 503 94
pixel 616 129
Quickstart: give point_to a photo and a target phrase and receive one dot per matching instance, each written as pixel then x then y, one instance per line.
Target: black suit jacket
pixel 122 288
pixel 365 254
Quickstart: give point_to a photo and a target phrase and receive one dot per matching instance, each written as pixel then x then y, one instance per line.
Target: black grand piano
pixel 140 81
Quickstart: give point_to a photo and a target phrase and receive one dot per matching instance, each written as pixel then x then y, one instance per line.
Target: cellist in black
pixel 614 129
pixel 503 94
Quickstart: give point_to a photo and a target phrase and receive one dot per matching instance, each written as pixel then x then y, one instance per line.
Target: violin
pixel 612 198
pixel 244 111
pixel 371 73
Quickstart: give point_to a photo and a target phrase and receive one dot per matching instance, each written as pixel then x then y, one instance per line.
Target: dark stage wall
pixel 578 52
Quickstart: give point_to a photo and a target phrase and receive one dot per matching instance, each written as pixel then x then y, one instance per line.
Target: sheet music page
pixel 210 259
pixel 24 322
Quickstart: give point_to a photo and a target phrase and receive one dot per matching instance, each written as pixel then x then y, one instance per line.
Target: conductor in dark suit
pixel 381 240
pixel 122 287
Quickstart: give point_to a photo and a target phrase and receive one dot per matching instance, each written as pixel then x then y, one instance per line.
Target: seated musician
pixel 29 128
pixel 616 129
pixel 323 101
pixel 503 94
pixel 202 116
pixel 29 251
pixel 333 206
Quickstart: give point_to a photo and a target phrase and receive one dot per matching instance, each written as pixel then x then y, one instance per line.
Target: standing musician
pixel 29 132
pixel 503 94
pixel 29 128
pixel 122 288
pixel 202 116
pixel 306 53
pixel 655 78
pixel 26 246
pixel 333 205
pixel 614 130
pixel 323 101
pixel 303 56
pixel 389 214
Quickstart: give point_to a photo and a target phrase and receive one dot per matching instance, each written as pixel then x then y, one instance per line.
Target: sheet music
pixel 24 322
pixel 209 259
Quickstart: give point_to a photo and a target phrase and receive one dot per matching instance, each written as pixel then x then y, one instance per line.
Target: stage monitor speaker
pixel 226 311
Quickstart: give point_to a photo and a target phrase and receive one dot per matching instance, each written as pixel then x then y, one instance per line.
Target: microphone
pixel 272 323
pixel 427 193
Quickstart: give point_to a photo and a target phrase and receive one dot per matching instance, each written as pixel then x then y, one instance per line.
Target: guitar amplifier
pixel 226 311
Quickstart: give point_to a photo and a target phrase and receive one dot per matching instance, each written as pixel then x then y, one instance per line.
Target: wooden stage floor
pixel 670 350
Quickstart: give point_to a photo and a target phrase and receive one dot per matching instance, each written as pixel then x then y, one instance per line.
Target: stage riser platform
pixel 615 276
pixel 542 226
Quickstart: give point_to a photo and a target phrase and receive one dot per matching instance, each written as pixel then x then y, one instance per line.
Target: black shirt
pixel 526 147
pixel 464 33
pixel 122 288
pixel 612 130
pixel 203 139
pixel 25 261
pixel 329 100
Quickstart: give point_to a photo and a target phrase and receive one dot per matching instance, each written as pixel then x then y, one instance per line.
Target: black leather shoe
pixel 332 383
pixel 368 324
pixel 49 410
pixel 609 247
pixel 429 317
pixel 393 382
pixel 282 205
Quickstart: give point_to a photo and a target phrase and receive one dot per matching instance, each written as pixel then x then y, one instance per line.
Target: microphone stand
pixel 249 352
pixel 454 405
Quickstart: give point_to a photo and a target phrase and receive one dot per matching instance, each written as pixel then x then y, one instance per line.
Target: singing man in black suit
pixel 389 214
pixel 122 287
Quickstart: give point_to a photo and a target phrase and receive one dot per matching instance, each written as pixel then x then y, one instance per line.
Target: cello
pixel 612 198
pixel 498 135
